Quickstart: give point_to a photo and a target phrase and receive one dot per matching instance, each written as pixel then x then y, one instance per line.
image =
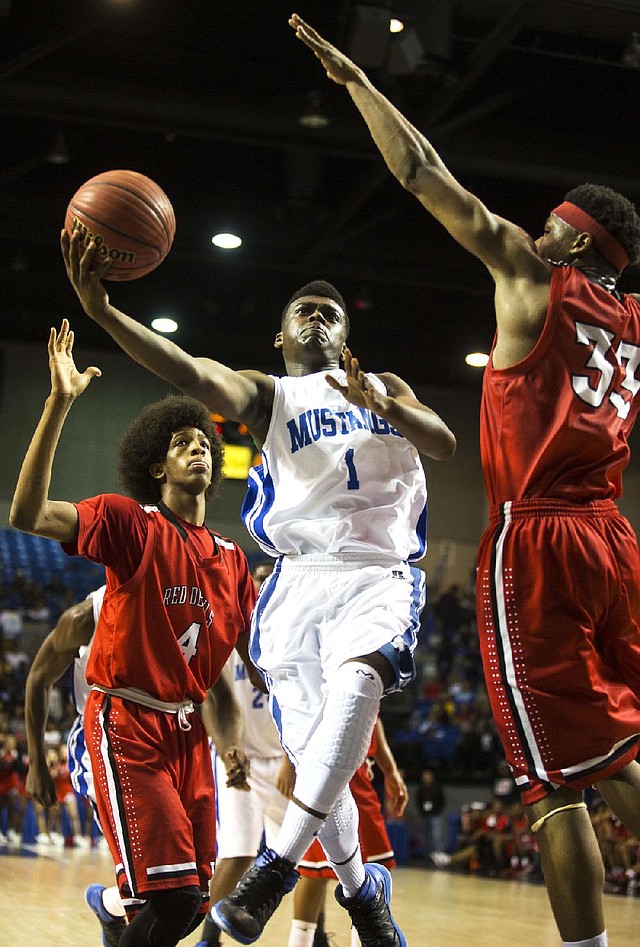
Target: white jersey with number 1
pixel 335 478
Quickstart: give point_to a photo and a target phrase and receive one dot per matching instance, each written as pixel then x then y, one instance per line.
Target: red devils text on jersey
pixel 177 598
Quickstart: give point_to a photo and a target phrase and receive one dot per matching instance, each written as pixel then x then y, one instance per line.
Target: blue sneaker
pixel 244 913
pixel 112 927
pixel 370 912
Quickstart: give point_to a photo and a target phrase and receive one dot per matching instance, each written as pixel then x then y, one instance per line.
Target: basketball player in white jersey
pixel 340 500
pixel 70 643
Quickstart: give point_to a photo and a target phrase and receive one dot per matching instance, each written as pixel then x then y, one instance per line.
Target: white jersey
pixel 260 734
pixel 335 478
pixel 80 688
pixel 78 756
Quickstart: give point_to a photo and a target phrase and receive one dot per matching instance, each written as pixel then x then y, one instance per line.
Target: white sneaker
pixel 441 859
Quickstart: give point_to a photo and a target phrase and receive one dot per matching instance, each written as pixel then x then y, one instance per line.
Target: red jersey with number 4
pixel 177 598
pixel 556 424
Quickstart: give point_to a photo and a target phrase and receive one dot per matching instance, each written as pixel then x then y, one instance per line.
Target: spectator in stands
pixel 431 804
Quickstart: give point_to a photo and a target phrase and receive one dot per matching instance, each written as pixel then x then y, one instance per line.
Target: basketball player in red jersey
pixel 178 599
pixel 558 589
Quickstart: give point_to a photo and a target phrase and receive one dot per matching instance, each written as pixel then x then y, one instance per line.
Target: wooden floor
pixel 41 902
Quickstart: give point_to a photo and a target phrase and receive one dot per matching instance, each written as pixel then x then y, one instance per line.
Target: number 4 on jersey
pixel 188 641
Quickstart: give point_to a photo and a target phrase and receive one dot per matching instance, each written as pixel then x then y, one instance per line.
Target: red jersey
pixel 556 424
pixel 177 598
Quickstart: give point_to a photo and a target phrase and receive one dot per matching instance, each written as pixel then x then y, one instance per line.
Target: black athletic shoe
pixel 370 912
pixel 244 913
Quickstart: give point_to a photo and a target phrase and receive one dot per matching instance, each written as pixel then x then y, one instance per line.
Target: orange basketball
pixel 130 219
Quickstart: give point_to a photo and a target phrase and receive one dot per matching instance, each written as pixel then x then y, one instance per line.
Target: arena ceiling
pixel 523 98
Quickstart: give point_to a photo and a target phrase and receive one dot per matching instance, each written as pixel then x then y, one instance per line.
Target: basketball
pixel 130 219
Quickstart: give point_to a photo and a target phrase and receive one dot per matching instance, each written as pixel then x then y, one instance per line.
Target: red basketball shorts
pixel 154 792
pixel 558 606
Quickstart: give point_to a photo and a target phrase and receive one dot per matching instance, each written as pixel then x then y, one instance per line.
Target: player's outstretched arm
pixel 75 627
pixel 400 407
pixel 240 396
pixel 417 166
pixel 31 510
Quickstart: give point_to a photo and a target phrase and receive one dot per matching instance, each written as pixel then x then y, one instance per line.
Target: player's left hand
pixel 336 64
pixel 396 792
pixel 237 765
pixel 66 380
pixel 359 390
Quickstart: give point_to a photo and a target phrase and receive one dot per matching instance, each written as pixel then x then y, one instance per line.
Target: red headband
pixel 604 243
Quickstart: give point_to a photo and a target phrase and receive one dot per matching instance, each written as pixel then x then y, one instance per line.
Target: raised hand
pixel 337 66
pixel 86 282
pixel 359 390
pixel 66 380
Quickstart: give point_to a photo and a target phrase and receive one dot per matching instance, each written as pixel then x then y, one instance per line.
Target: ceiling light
pixel 313 120
pixel 226 241
pixel 395 26
pixel 59 153
pixel 314 115
pixel 476 359
pixel 164 324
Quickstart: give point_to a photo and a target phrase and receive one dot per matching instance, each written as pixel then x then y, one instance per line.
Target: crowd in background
pixel 440 730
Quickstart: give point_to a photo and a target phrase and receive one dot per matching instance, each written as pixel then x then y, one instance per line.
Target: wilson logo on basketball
pixel 124 256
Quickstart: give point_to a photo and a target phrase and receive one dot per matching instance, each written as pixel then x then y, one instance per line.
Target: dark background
pixel 523 99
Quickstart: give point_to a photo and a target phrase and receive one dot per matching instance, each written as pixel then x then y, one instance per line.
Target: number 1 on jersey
pixel 352 483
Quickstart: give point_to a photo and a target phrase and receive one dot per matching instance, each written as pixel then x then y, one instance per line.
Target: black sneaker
pixel 244 913
pixel 370 912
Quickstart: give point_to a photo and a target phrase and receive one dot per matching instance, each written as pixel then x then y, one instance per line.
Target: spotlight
pixel 59 152
pixel 314 115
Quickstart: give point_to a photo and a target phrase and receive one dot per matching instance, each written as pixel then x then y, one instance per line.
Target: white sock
pixel 296 833
pixel 355 940
pixel 301 934
pixel 339 838
pixel 600 940
pixel 112 902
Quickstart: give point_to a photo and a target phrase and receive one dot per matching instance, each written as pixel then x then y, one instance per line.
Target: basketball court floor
pixel 42 888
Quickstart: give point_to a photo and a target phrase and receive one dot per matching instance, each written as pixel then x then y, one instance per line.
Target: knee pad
pixel 340 741
pixel 165 919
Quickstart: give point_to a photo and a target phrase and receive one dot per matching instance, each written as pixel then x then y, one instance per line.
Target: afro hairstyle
pixel 146 442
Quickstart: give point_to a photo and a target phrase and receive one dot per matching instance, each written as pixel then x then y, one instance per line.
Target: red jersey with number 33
pixel 177 598
pixel 556 424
